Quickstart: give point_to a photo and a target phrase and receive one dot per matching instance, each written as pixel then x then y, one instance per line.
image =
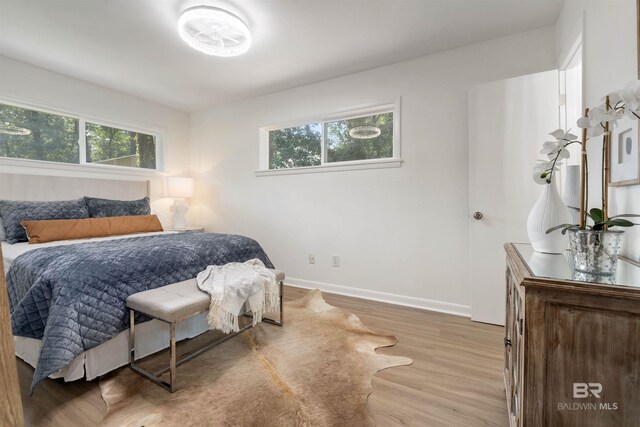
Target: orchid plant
pixel 625 102
pixel 596 122
pixel 556 151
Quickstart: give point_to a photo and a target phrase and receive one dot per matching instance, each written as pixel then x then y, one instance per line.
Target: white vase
pixel 571 196
pixel 548 211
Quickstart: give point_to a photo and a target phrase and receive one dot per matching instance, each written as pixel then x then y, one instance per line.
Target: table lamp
pixel 179 188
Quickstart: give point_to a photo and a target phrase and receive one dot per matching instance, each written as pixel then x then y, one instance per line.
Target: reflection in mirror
pixel 559 266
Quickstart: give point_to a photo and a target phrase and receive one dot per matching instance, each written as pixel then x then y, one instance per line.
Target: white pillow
pixel 3 237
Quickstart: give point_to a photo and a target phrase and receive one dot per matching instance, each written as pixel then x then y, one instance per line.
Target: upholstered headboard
pixel 15 186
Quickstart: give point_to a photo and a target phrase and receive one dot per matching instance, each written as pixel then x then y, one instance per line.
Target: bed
pixel 111 354
pixel 67 298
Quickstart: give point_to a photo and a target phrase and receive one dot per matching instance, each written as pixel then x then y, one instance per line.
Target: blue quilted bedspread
pixel 73 297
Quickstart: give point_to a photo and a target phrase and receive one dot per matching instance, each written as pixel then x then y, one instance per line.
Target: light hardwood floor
pixel 455 380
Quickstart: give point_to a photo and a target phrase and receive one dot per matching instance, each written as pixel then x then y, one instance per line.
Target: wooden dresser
pixel 572 346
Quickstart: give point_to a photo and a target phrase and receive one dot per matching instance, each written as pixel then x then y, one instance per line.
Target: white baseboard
pixel 407 301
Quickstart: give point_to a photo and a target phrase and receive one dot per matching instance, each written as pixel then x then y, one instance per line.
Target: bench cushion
pixel 172 302
pixel 175 302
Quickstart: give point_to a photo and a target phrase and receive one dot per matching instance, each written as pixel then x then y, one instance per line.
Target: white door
pixel 508 122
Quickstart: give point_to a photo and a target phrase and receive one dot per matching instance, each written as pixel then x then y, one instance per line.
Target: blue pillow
pixel 100 208
pixel 14 211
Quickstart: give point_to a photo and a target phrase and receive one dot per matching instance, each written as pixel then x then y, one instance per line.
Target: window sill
pixel 336 167
pixel 86 167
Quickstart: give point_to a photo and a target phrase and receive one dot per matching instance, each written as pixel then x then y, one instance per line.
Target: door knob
pixel 477 215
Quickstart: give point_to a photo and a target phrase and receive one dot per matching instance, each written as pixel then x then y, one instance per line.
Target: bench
pixel 172 304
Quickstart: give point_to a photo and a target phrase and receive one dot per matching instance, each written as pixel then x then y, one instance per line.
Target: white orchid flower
pixel 614 98
pixel 547 165
pixel 564 154
pixel 561 135
pixel 631 98
pixel 583 122
pixel 630 95
pixel 595 131
pixel 597 115
pixel 560 153
pixel 558 133
pixel 549 147
pixel 540 177
pixel 612 116
pixel 543 171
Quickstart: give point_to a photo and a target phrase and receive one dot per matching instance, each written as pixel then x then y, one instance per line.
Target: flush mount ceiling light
pixel 9 129
pixel 364 132
pixel 214 31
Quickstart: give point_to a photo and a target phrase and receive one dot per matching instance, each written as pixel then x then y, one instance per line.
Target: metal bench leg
pixel 279 322
pixel 132 344
pixel 281 304
pixel 143 372
pixel 172 362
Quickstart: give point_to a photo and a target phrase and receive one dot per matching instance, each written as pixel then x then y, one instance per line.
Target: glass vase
pixel 595 252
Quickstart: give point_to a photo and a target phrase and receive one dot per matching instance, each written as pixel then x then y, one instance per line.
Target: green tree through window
pixel 119 147
pixel 35 135
pixel 342 147
pixel 295 147
pixel 346 140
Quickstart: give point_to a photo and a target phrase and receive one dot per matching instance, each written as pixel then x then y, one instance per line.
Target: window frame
pixel 350 113
pixel 82 143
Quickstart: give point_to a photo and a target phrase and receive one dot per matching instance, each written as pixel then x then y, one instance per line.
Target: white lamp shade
pixel 179 187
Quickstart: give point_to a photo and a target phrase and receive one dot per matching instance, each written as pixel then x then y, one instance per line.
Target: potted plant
pixel 593 243
pixel 549 209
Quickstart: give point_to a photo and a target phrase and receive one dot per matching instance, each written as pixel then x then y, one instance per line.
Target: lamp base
pixel 179 210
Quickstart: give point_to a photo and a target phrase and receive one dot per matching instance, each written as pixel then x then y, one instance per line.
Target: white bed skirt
pixel 151 337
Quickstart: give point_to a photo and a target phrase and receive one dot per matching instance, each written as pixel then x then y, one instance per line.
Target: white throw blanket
pixel 234 284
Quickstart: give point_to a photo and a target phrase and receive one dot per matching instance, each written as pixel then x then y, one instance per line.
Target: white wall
pixel 403 230
pixel 610 62
pixel 37 86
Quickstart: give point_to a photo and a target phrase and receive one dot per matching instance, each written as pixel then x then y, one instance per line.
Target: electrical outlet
pixel 336 260
pixel 312 259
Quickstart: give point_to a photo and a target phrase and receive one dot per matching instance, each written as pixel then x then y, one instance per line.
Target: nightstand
pixel 187 230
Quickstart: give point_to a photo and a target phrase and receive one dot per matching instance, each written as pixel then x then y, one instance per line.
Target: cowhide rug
pixel 314 371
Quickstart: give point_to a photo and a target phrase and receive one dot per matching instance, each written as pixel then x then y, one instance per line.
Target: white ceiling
pixel 133 46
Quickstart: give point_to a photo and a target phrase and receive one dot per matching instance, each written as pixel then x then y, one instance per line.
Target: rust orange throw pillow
pixel 51 230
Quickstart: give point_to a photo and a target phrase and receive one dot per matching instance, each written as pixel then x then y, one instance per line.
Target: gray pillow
pixel 13 212
pixel 3 236
pixel 99 208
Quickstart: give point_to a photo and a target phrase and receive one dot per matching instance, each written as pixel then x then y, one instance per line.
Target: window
pixel 357 138
pixel 295 147
pixel 362 138
pixel 112 146
pixel 37 135
pixel 34 135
